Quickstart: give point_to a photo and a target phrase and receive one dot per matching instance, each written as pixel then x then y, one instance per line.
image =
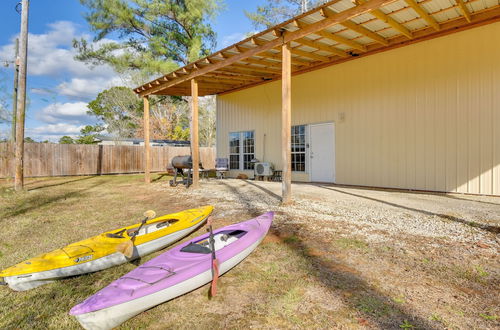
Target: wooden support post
pixel 147 144
pixel 286 107
pixel 195 145
pixel 21 99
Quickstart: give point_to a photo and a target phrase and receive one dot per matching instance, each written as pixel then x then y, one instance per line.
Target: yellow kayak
pixel 101 252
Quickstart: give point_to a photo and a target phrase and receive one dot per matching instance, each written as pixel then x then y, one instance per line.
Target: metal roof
pixel 110 138
pixel 333 33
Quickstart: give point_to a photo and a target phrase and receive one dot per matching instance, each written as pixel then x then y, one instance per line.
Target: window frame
pixel 241 150
pixel 305 152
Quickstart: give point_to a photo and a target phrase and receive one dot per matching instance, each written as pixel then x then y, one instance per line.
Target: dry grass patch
pixel 327 263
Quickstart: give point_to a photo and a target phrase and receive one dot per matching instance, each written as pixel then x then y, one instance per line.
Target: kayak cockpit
pixel 146 229
pixel 221 240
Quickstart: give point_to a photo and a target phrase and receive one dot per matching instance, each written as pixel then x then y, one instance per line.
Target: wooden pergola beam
pixel 310 55
pixel 267 59
pixel 252 68
pixel 249 67
pixel 233 77
pixel 334 37
pixel 297 52
pixel 465 11
pixel 186 92
pixel 365 32
pixel 277 56
pixel 268 64
pixel 422 13
pixel 321 46
pixel 225 81
pixel 389 20
pixel 220 84
pixel 357 27
pixel 245 73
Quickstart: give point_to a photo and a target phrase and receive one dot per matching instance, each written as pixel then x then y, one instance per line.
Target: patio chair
pixel 221 167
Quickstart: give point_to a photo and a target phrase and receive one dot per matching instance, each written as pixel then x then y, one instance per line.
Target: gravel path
pixel 377 215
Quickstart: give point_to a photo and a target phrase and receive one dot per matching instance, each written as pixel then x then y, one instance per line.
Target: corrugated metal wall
pixel 424 116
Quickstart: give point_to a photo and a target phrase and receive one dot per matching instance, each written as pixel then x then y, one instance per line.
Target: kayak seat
pixel 221 240
pixel 166 223
pixel 196 248
pixel 152 227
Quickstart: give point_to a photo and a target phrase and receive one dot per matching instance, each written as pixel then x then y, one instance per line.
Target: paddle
pixel 215 262
pixel 127 248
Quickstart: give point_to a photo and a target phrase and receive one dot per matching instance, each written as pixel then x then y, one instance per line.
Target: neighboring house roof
pixel 107 138
pixel 338 31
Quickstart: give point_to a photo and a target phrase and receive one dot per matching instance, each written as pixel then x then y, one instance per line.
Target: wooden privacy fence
pixel 48 159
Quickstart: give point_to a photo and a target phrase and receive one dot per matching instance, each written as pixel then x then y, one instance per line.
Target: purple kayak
pixel 171 274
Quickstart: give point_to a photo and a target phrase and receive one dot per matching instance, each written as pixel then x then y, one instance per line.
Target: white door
pixel 322 152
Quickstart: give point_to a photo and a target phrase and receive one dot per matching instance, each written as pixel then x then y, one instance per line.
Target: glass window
pixel 299 148
pixel 234 151
pixel 241 150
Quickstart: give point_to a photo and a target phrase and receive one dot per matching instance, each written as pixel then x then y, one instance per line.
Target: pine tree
pixel 155 36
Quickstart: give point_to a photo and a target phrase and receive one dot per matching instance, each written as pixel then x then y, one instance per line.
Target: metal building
pixel 382 93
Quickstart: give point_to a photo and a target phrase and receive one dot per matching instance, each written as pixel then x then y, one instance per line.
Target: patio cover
pixel 338 31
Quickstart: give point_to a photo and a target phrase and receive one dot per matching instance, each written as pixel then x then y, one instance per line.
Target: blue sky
pixel 60 87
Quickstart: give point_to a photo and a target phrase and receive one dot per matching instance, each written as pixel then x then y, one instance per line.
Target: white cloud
pixel 69 83
pixel 53 132
pixel 74 113
pixel 52 54
pixel 87 88
pixel 56 129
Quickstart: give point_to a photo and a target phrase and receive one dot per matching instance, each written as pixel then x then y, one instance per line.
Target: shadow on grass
pixel 159 177
pixel 246 200
pixel 62 183
pixel 267 191
pixel 354 290
pixel 37 201
pixel 340 279
pixel 491 228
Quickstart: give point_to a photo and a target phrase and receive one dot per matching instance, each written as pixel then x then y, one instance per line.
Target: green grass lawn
pixel 54 212
pixel 299 277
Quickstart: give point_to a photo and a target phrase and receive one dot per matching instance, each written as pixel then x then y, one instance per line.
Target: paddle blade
pixel 150 214
pixel 215 271
pixel 126 248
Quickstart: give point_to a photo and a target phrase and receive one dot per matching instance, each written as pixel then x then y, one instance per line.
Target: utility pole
pixel 21 98
pixel 14 94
